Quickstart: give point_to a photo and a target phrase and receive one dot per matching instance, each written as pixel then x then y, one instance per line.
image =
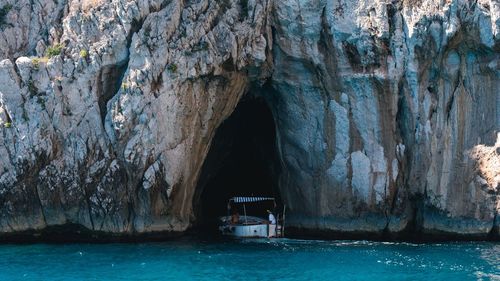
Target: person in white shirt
pixel 272 225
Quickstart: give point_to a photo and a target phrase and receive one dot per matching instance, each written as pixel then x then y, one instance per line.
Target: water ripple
pixel 258 259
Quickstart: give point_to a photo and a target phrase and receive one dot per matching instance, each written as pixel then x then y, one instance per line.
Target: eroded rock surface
pixel 387 113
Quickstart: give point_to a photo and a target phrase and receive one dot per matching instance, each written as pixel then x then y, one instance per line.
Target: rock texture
pixel 387 112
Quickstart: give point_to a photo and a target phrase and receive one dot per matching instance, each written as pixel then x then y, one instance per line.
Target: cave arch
pixel 242 161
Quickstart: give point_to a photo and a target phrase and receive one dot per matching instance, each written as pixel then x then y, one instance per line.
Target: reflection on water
pixel 492 256
pixel 264 259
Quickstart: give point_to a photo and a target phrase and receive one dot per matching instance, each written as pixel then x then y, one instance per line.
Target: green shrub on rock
pixel 55 50
pixel 84 54
pixel 36 63
pixel 172 67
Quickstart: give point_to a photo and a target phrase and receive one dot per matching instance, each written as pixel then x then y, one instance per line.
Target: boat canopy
pixel 250 199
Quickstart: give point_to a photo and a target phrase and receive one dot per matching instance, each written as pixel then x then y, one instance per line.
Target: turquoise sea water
pixel 190 259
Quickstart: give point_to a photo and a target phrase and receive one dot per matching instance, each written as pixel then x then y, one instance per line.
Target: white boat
pixel 251 226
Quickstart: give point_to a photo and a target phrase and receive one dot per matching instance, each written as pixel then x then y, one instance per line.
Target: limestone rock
pixel 387 113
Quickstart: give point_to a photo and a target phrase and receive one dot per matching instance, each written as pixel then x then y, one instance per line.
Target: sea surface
pixel 285 259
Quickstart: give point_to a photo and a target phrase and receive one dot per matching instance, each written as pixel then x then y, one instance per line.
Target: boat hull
pixel 249 231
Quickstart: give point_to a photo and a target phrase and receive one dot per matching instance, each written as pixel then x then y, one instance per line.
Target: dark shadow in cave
pixel 242 161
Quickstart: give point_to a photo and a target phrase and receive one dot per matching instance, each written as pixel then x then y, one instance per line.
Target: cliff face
pixel 386 113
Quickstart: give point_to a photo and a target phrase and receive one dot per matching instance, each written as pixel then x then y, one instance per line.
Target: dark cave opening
pixel 242 161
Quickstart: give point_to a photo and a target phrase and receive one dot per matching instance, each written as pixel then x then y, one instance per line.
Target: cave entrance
pixel 242 161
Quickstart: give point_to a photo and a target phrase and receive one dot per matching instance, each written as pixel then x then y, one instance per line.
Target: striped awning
pixel 250 199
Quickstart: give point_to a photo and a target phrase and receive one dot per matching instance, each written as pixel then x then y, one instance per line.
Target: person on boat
pixel 272 219
pixel 272 225
pixel 235 218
